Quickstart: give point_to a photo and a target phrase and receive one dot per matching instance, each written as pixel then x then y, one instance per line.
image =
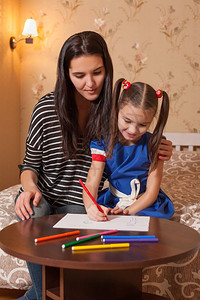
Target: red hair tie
pixel 159 93
pixel 126 85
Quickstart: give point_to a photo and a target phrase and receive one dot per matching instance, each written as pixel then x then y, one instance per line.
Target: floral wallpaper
pixel 149 40
pixel 10 94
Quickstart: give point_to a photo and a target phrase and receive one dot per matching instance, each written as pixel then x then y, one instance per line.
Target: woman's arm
pixel 31 192
pixel 151 193
pixel 92 183
pixel 165 150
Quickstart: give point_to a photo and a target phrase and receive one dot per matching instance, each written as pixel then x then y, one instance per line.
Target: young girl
pixel 129 156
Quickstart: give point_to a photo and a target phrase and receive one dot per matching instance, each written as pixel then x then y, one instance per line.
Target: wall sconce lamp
pixel 30 31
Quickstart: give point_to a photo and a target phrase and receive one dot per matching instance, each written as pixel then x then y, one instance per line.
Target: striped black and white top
pixel 57 177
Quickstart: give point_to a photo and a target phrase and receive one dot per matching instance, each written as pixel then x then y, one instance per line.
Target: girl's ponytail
pixel 156 137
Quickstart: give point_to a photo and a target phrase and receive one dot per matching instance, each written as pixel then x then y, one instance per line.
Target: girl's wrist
pixel 88 205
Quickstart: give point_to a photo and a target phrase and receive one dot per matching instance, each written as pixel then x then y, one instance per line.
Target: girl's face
pixel 87 74
pixel 133 122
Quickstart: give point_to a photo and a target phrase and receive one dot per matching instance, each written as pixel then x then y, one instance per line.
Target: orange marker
pixel 51 237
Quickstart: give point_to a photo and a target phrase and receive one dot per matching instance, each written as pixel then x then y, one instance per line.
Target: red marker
pixel 92 198
pixel 60 235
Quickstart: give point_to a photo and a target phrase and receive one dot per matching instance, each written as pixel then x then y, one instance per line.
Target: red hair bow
pixel 159 93
pixel 126 85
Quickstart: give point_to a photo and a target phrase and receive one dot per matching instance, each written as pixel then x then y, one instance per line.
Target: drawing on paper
pixel 81 221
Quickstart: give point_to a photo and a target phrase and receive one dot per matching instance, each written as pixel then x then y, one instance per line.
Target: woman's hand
pixel 165 150
pixel 23 207
pixel 95 215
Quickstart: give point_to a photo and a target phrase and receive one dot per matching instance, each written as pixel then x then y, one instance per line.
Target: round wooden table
pixel 111 274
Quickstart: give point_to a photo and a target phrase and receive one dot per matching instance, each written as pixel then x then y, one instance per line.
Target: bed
pixel 181 181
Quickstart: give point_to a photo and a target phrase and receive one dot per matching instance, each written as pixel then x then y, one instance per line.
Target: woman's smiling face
pixel 87 74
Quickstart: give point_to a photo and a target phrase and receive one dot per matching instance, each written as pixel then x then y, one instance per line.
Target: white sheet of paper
pixel 81 221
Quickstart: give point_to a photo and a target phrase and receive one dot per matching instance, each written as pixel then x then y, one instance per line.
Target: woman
pixel 62 125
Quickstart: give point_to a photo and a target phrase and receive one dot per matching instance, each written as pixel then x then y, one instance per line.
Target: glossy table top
pixel 176 241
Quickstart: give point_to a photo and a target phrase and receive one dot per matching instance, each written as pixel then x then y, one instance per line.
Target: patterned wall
pixel 149 40
pixel 10 95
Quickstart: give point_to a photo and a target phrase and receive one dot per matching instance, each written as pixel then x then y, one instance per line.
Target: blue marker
pixel 127 236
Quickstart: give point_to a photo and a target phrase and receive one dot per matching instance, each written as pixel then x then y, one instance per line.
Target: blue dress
pixel 127 163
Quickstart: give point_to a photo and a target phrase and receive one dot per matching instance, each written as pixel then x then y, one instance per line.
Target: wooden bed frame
pixel 182 140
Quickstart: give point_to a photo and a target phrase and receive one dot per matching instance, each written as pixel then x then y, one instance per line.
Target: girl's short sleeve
pixel 98 151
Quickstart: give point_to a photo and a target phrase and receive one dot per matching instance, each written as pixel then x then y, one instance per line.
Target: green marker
pixel 81 241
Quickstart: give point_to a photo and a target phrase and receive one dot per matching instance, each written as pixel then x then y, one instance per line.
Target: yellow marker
pixel 105 246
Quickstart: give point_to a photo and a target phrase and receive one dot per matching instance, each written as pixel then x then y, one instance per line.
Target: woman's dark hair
pixel 143 96
pixel 79 44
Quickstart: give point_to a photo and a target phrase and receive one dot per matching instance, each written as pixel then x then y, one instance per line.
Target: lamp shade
pixel 30 28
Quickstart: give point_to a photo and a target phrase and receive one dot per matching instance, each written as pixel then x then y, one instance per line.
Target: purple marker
pixel 129 240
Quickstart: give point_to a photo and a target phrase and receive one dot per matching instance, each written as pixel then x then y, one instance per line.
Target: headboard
pixel 191 141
